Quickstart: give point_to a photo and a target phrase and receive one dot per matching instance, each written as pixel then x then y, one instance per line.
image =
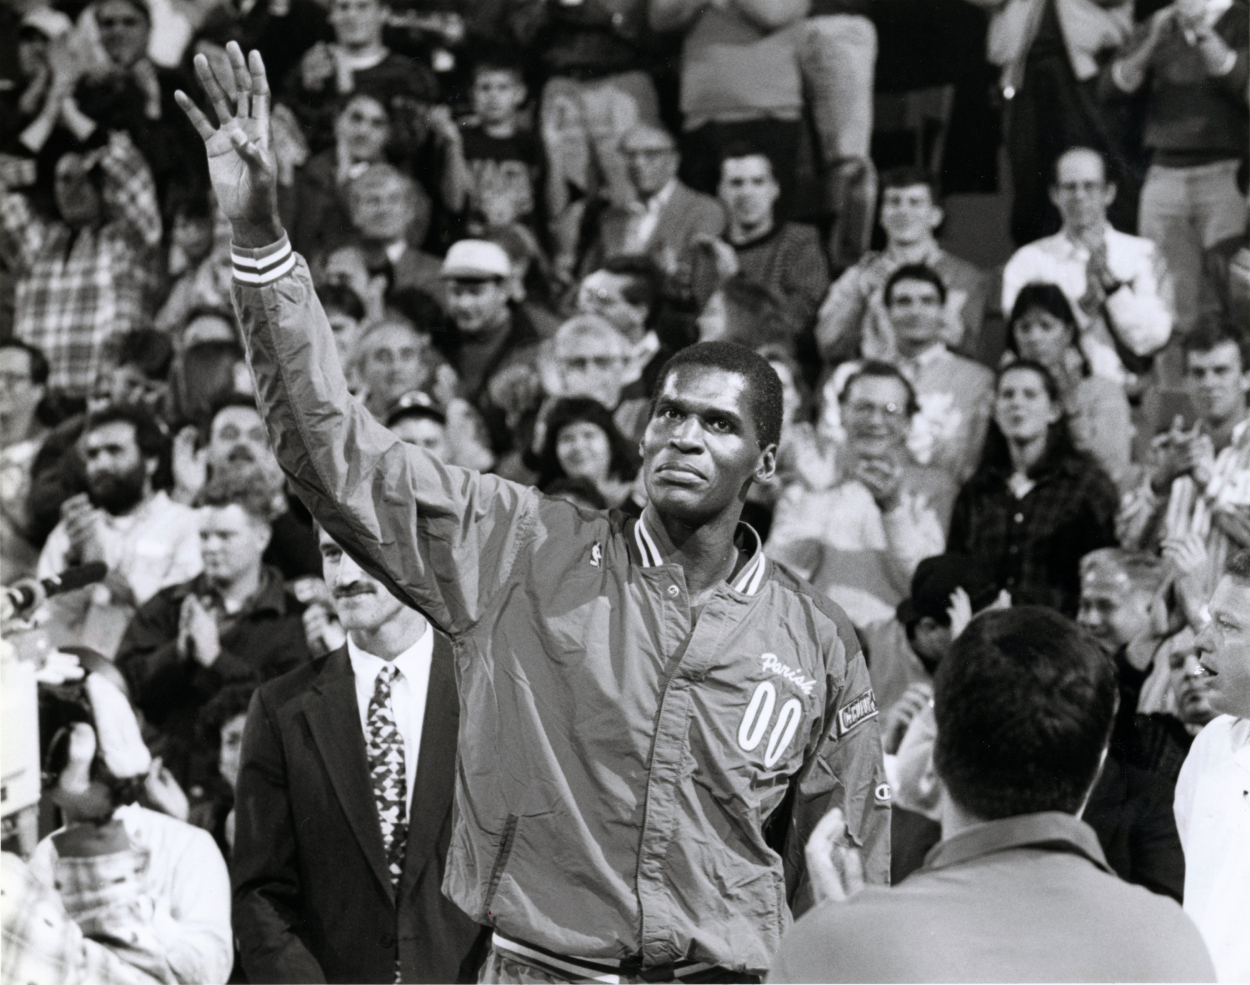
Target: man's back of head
pixel 1024 705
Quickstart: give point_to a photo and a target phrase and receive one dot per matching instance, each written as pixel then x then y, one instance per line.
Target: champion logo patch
pixel 882 793
pixel 596 555
pixel 860 710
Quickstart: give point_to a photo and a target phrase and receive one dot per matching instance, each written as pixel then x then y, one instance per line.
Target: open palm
pixel 241 162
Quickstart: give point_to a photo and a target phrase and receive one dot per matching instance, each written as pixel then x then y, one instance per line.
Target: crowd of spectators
pixel 515 213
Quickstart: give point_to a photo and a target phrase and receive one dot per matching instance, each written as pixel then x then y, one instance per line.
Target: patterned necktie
pixel 388 773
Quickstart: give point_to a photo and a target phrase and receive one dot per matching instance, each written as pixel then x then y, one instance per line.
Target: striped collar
pixel 748 581
pixel 263 266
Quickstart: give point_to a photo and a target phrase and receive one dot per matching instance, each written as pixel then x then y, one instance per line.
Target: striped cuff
pixel 263 266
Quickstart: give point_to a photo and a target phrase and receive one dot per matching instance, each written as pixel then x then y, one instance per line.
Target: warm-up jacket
pixel 633 784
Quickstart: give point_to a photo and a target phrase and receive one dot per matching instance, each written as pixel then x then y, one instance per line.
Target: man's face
pixel 125 385
pixel 477 305
pixel 908 215
pixel 237 435
pixel 602 293
pixel 18 395
pixel 1081 191
pixel 497 95
pixel 391 362
pixel 1224 648
pixel 383 210
pixel 360 600
pixel 346 331
pixel 117 474
pixel 357 23
pixel 231 543
pixel 363 128
pixel 748 189
pixel 651 159
pixel 1217 383
pixel 874 413
pixel 915 309
pixel 231 750
pixel 424 432
pixel 124 32
pixel 1191 687
pixel 1112 609
pixel 592 365
pixel 77 198
pixel 700 449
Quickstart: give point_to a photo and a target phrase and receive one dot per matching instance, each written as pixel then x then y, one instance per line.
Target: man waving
pixel 653 715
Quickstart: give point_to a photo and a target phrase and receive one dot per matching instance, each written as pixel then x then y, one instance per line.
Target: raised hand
pixel 241 161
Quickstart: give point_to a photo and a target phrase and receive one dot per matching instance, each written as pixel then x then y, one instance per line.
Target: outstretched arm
pixel 443 539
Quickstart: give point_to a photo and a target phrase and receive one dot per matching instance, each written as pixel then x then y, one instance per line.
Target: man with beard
pixel 236 622
pixel 147 540
pixel 329 900
pixel 656 716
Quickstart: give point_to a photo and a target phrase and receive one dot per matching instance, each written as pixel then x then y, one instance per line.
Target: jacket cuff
pixel 263 266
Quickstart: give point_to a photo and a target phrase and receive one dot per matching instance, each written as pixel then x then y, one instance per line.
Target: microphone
pixel 28 593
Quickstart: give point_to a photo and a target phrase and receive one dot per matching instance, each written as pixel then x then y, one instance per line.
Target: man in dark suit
pixel 344 805
pixel 668 214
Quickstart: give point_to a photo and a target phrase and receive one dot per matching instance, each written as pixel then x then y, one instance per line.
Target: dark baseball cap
pixel 415 403
pixel 937 577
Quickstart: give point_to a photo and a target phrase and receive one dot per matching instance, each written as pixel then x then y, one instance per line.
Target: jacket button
pixel 1019 518
pixel 387 940
pixel 674 591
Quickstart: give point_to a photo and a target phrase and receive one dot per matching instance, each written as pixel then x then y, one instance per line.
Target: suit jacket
pixel 313 900
pixel 685 215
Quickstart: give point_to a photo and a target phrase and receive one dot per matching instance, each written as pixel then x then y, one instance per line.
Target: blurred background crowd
pixel 996 251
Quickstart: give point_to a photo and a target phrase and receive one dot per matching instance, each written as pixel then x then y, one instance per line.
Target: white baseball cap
pixel 476 259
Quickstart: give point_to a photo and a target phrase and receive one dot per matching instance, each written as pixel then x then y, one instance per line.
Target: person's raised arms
pixel 241 161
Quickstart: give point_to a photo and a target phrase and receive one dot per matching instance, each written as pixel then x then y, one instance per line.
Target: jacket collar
pixel 1053 830
pixel 270 596
pixel 748 580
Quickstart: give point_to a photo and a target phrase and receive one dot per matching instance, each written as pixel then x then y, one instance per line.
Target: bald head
pixel 1081 191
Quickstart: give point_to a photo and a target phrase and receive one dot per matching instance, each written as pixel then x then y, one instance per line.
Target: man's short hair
pixel 738 149
pixel 914 271
pixel 645 278
pixel 589 326
pixel 149 350
pixel 382 174
pixel 340 297
pixel 39 368
pixel 1054 168
pixel 243 484
pixel 1212 333
pixel 139 6
pixel 1143 570
pixel 909 176
pixel 1024 705
pixel 1238 565
pixel 763 387
pixel 151 436
pixel 232 400
pixel 498 58
pixel 881 370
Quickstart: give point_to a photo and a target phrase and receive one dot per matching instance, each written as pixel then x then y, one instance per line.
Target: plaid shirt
pixel 76 289
pixel 43 943
pixel 1034 545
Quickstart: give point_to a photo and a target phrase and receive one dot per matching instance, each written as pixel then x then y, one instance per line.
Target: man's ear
pixel 937 215
pixel 1053 194
pixel 766 464
pixel 1108 196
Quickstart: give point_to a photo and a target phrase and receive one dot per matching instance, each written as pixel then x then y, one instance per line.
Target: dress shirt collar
pixel 412 663
pixel 396 250
pixel 932 254
pixel 1048 829
pixel 1240 430
pixel 660 198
